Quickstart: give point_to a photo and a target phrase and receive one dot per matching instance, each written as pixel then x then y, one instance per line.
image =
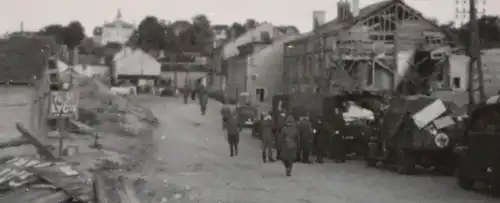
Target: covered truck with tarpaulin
pixel 416 130
pixel 297 104
pixel 480 151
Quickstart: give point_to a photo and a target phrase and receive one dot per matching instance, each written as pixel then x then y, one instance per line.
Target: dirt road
pixel 191 151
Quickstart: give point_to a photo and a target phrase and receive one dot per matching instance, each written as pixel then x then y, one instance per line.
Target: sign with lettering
pixel 63 104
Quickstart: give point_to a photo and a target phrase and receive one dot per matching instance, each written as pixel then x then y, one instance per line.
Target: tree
pixel 237 30
pixel 54 30
pixel 73 34
pixel 489 31
pixel 202 35
pixel 151 34
pixel 251 24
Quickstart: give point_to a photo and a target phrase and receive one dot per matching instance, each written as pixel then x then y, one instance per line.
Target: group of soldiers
pixel 294 140
pixel 202 96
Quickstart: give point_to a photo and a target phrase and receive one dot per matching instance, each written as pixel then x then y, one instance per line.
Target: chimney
pixel 355 8
pixel 319 17
pixel 343 10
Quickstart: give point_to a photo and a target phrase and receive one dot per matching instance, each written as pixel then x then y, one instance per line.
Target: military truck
pixel 415 130
pixel 480 152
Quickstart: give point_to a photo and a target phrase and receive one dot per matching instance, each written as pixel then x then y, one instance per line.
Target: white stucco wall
pixel 136 62
pixel 491 70
pixel 115 34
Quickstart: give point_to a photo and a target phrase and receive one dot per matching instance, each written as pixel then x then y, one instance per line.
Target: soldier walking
pixel 267 138
pixel 320 140
pixel 203 99
pixel 185 92
pixel 278 132
pixel 306 138
pixel 225 113
pixel 289 145
pixel 233 134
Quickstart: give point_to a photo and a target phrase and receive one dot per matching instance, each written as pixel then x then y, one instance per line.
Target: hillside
pixel 21 58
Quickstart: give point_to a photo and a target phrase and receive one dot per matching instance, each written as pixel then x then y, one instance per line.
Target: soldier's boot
pixel 231 149
pixel 235 149
pixel 288 171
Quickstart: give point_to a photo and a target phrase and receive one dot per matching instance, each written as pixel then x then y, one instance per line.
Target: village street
pixel 191 152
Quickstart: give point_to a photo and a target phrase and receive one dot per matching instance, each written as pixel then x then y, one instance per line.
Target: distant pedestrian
pixel 267 138
pixel 289 145
pixel 278 132
pixel 225 113
pixel 203 99
pixel 306 139
pixel 185 92
pixel 320 140
pixel 233 134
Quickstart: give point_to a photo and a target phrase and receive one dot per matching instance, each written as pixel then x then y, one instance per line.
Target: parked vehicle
pixel 415 130
pixel 348 124
pixel 247 115
pixel 480 152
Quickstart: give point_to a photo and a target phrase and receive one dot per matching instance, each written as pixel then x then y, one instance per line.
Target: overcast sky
pixel 37 13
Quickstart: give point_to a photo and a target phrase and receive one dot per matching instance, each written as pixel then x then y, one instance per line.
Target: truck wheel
pixel 464 182
pixel 405 163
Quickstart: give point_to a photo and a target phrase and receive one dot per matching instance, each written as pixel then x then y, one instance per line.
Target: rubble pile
pixel 112 134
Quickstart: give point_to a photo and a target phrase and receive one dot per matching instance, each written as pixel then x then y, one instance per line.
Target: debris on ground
pixel 110 135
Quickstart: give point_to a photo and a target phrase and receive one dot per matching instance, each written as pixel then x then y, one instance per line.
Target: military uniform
pixel 289 145
pixel 320 141
pixel 278 132
pixel 203 100
pixel 338 144
pixel 267 138
pixel 305 142
pixel 185 92
pixel 233 137
pixel 225 113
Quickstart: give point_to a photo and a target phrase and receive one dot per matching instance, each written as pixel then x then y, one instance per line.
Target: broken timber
pixel 111 188
pixel 41 146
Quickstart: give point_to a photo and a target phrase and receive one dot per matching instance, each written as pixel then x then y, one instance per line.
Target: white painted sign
pixel 63 104
pixel 429 113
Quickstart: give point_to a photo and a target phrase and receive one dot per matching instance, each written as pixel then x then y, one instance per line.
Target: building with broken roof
pixel 374 47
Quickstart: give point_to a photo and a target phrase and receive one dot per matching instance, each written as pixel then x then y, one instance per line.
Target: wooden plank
pixel 77 184
pixel 128 187
pixel 105 189
pixel 14 173
pixel 39 144
pixel 29 195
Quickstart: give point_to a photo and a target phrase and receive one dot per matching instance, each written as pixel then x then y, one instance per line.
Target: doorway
pixel 260 93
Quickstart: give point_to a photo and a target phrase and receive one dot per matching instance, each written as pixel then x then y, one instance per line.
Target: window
pixel 456 82
pixel 260 93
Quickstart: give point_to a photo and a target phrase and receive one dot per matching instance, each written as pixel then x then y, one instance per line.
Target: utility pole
pixel 473 49
pixel 476 49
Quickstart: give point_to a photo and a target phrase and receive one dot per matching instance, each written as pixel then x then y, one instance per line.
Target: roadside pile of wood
pixel 29 179
pixel 99 107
